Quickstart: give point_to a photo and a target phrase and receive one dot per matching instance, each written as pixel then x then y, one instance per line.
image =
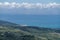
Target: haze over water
pixel 50 21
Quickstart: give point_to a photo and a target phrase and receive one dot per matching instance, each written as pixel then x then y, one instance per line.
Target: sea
pixel 49 21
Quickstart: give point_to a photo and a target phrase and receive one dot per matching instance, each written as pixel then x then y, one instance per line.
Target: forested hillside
pixel 12 31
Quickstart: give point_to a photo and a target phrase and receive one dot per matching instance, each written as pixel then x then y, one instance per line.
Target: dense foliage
pixel 12 31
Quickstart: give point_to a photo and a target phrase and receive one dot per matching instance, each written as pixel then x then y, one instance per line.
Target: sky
pixel 30 6
pixel 32 1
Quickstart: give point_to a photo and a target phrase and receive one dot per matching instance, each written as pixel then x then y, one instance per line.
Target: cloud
pixel 29 5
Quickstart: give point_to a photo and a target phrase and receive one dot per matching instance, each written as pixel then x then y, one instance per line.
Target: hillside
pixel 12 31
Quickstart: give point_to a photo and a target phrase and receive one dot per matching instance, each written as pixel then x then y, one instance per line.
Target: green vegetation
pixel 11 31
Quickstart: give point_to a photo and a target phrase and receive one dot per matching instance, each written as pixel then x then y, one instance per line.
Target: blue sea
pixel 50 21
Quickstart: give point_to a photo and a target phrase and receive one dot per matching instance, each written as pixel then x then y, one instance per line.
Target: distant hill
pixel 12 31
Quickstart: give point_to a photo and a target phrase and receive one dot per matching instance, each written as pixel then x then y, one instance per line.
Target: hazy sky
pixel 32 1
pixel 30 6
